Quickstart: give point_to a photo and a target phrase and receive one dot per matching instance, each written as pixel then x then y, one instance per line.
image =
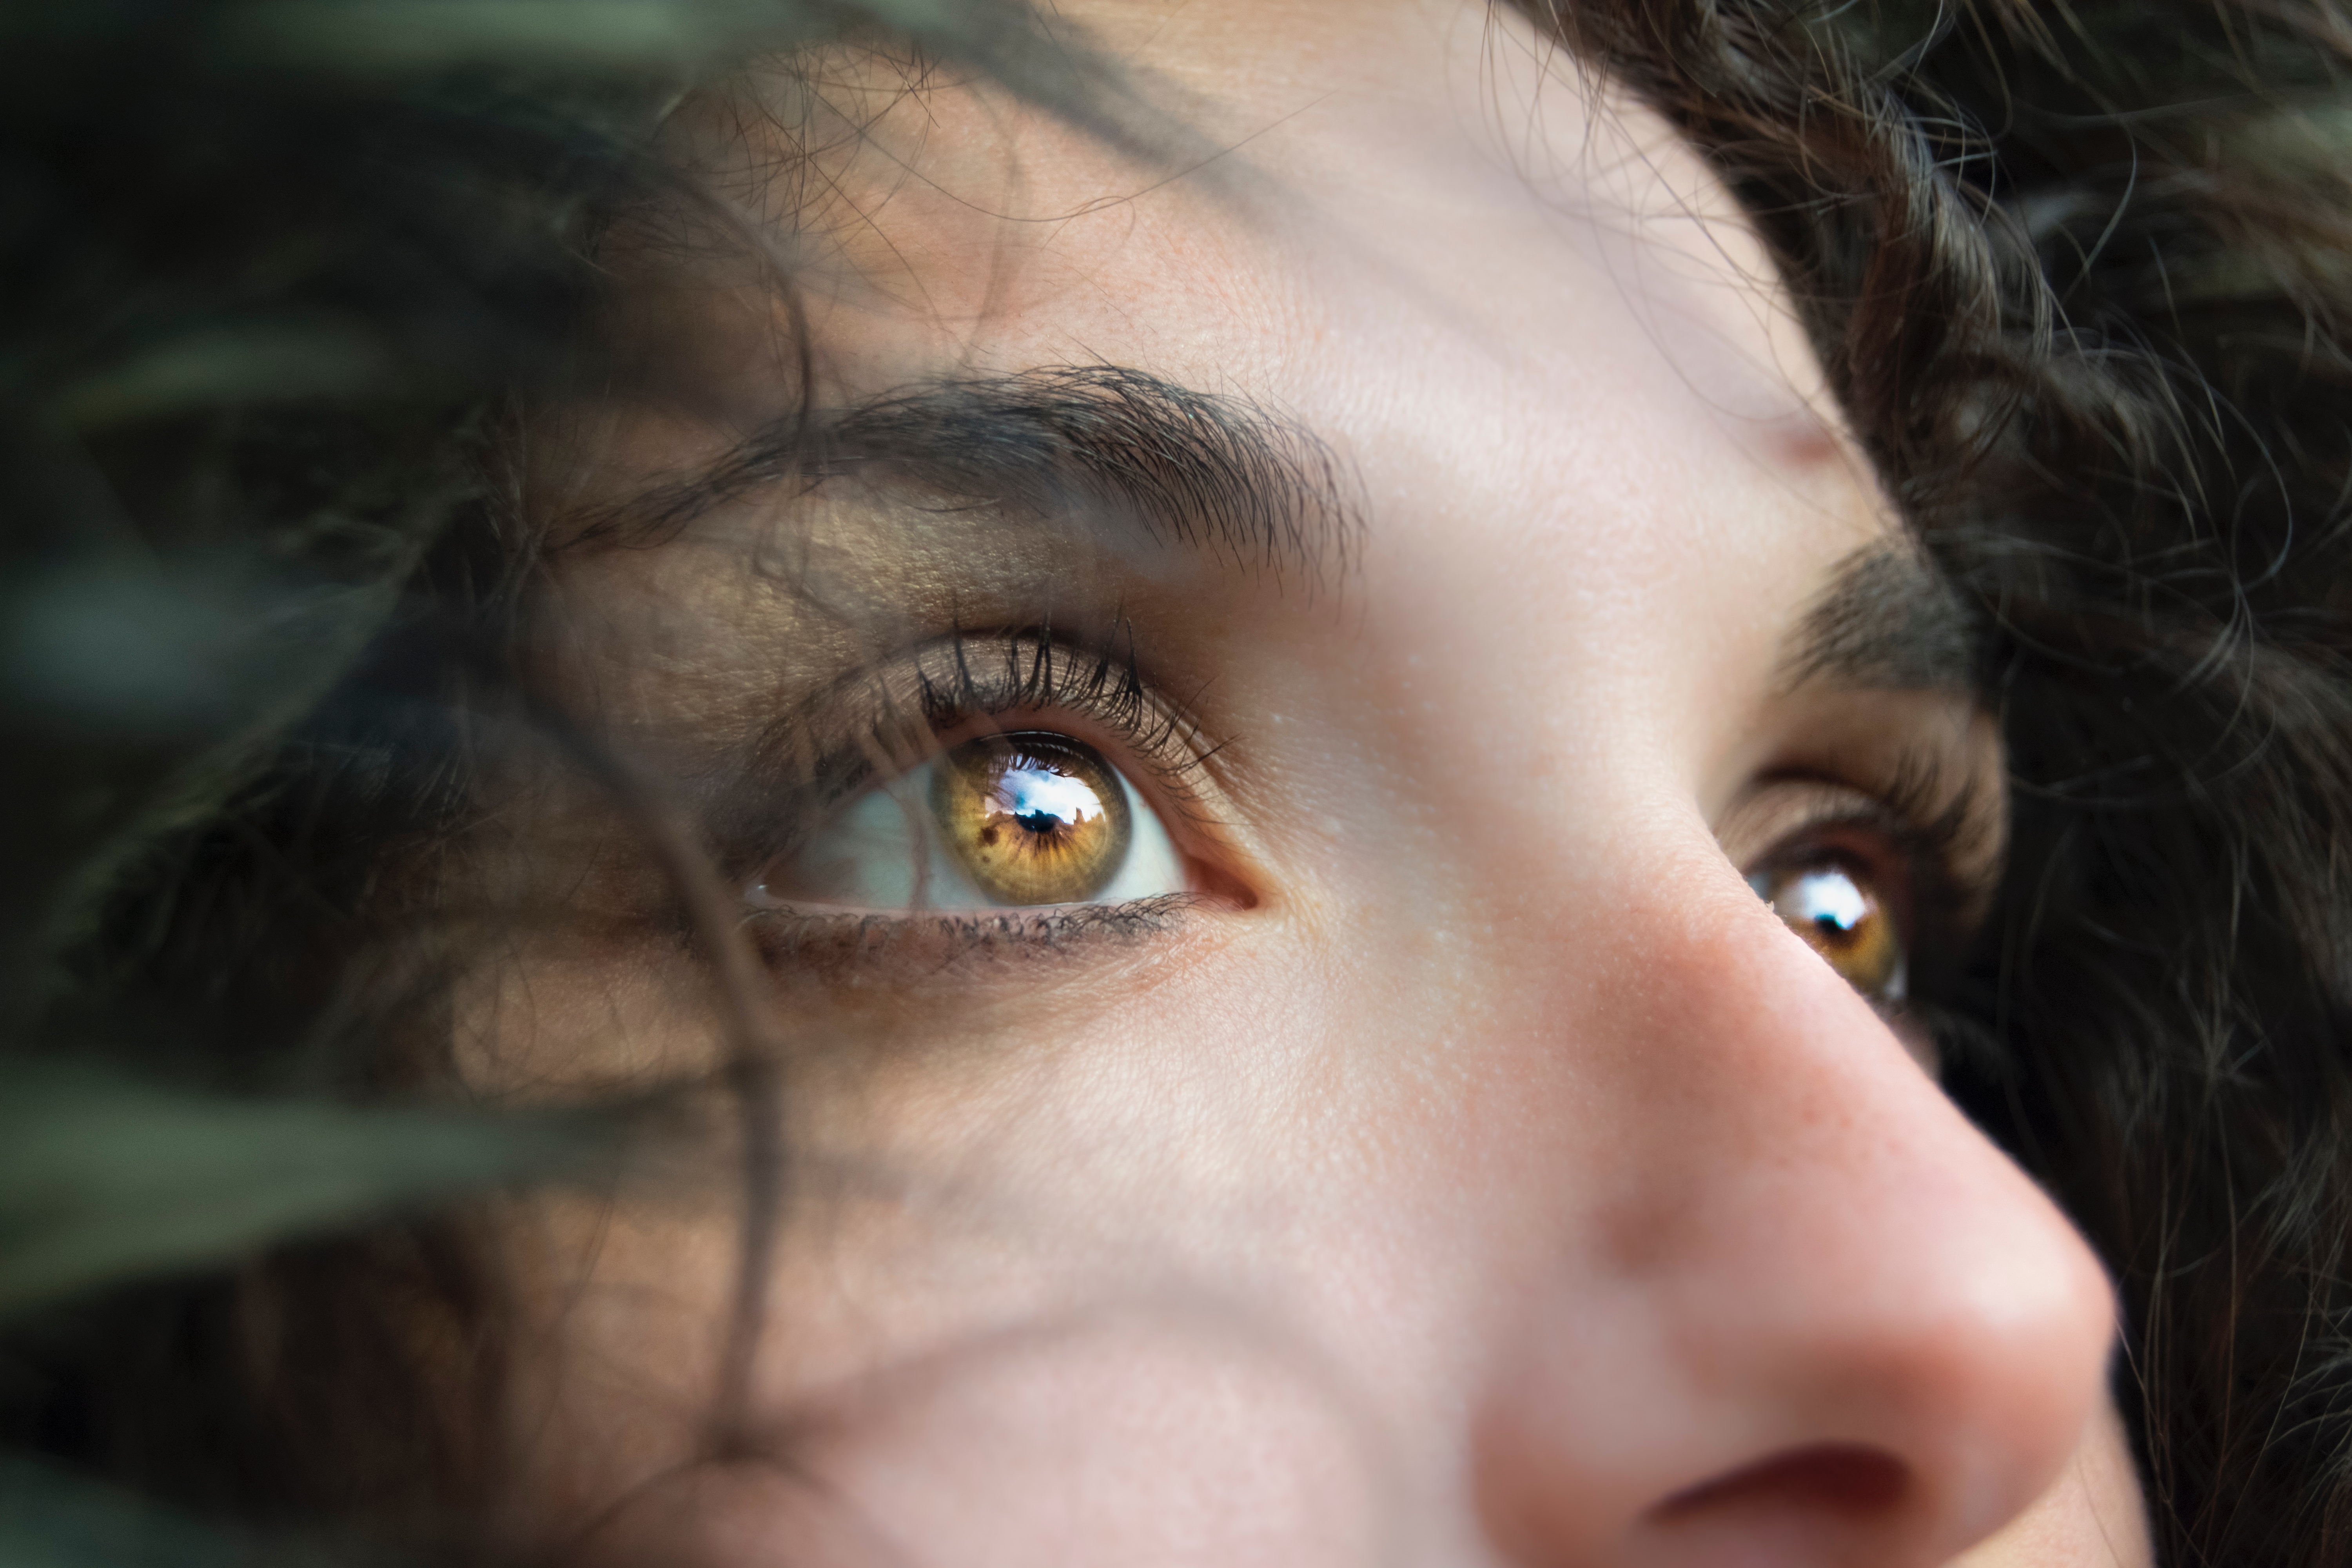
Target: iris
pixel 1032 817
pixel 1839 914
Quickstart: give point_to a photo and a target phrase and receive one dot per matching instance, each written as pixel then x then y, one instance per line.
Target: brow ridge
pixel 1889 620
pixel 1247 486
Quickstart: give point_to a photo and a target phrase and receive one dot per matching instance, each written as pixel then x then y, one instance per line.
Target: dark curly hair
pixel 283 270
pixel 2080 275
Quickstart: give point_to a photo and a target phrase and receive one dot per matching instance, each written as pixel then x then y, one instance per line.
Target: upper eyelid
pixel 1923 774
pixel 1780 809
pixel 1921 803
pixel 1936 827
pixel 1030 671
pixel 890 716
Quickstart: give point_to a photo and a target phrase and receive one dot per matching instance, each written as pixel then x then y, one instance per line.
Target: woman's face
pixel 1348 801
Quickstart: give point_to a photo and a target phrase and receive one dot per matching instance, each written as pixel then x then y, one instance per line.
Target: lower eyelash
pixel 812 941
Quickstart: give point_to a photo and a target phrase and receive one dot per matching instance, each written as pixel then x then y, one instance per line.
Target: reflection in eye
pixel 1033 818
pixel 1838 911
pixel 1014 820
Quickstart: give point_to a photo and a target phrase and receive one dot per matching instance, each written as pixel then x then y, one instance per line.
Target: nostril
pixel 1840 1478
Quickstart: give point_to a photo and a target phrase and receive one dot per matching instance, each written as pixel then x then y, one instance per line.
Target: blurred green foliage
pixel 272 263
pixel 49 1519
pixel 274 270
pixel 103 1177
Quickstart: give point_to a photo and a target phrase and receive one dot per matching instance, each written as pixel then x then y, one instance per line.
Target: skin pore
pixel 1430 508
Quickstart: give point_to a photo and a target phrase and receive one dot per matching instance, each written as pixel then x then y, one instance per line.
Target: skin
pixel 1475 1169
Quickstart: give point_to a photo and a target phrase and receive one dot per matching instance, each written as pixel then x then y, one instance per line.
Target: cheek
pixel 1168 1437
pixel 2093 1515
pixel 1183 1337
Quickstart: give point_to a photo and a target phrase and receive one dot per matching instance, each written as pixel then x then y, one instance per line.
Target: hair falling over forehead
pixel 2077 275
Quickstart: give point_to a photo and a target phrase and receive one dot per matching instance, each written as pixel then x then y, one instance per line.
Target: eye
pixel 1003 820
pixel 1842 914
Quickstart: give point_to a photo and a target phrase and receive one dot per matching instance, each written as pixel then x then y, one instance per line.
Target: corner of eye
pixel 1215 884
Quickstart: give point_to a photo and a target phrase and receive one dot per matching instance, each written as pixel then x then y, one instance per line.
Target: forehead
pixel 1308 185
pixel 1535 330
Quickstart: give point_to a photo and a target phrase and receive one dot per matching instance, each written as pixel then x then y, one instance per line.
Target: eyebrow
pixel 1888 621
pixel 1241 484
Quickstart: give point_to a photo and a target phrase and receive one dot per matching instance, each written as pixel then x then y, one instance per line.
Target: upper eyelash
pixel 810 764
pixel 1931 825
pixel 1936 827
pixel 1921 793
pixel 1103 684
pixel 1918 806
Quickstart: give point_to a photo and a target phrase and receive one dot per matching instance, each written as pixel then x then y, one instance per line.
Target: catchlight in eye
pixel 1021 819
pixel 1840 913
pixel 1032 818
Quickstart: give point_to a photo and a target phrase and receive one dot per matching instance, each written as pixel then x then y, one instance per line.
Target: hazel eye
pixel 1840 913
pixel 1025 819
pixel 1033 818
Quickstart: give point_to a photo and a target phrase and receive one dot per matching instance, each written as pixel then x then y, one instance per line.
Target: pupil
pixel 1832 903
pixel 1040 822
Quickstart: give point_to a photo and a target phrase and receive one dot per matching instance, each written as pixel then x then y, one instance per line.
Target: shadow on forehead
pixel 790 160
pixel 868 57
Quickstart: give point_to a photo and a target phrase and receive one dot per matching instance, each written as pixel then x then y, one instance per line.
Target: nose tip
pixel 1793 1450
pixel 1835 1325
pixel 1888 1431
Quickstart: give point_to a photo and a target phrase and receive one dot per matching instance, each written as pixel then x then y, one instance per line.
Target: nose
pixel 1814 1317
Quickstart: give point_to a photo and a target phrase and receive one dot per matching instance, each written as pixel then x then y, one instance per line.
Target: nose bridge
pixel 1806 1302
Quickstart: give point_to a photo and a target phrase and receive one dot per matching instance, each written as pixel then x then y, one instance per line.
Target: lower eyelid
pixel 818 942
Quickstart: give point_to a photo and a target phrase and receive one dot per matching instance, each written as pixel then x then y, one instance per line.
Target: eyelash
pixel 1926 825
pixel 903 711
pixel 911 706
pixel 1099 684
pixel 816 942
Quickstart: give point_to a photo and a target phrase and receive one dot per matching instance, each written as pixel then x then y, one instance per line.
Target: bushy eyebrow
pixel 1243 485
pixel 1888 621
pixel 1247 486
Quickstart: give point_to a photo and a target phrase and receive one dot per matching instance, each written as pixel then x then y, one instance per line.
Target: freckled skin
pixel 1482 1173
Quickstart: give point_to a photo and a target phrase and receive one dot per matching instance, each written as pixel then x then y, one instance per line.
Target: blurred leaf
pixel 418 37
pixel 102 1178
pixel 50 1520
pixel 128 647
pixel 262 361
pixel 404 37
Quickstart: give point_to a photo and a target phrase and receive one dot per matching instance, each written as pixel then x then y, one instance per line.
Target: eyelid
pixel 1950 801
pixel 903 711
pixel 939 948
pixel 1779 811
pixel 1934 844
